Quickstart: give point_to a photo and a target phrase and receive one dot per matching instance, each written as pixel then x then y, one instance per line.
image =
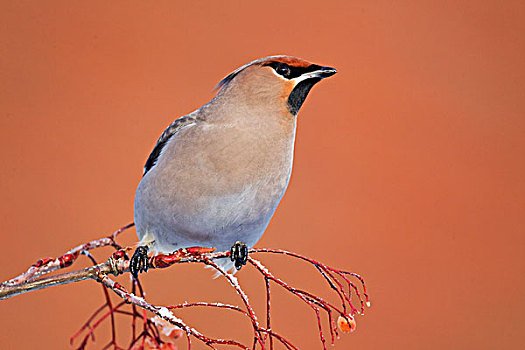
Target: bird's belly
pixel 181 219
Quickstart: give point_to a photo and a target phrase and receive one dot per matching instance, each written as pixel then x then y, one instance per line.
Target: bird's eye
pixel 283 69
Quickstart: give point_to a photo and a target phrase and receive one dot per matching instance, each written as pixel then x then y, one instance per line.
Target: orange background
pixel 409 164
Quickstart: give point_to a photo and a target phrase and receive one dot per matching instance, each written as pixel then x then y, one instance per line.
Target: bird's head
pixel 276 82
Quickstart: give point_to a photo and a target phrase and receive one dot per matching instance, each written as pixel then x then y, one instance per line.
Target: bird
pixel 216 176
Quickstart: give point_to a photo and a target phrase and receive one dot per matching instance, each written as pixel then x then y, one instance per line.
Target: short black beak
pixel 326 72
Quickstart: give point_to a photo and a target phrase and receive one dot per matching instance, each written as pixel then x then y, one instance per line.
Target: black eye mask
pixel 291 72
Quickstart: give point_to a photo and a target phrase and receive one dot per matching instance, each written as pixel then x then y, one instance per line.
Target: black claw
pixel 239 254
pixel 139 261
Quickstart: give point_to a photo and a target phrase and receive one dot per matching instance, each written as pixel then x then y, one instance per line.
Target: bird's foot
pixel 139 261
pixel 239 254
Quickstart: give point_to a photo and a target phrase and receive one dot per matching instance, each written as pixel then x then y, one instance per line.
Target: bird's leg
pixel 139 261
pixel 239 254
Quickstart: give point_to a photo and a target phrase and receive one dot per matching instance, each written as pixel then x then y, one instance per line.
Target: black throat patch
pixel 299 93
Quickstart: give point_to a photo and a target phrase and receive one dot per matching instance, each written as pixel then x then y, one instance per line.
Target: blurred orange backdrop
pixel 409 163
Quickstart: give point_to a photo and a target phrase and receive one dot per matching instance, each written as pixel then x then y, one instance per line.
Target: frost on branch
pixel 157 327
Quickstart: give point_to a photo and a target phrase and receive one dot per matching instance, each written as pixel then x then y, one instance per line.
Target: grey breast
pixel 211 184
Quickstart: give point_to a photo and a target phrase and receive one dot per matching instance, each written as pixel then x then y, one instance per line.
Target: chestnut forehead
pixel 292 61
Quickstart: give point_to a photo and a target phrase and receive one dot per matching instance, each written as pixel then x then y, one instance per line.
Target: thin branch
pixel 34 278
pixel 47 265
pixel 112 267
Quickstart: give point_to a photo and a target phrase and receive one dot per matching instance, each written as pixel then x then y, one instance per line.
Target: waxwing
pixel 216 175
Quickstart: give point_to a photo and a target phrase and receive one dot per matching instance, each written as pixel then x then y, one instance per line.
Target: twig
pixel 47 265
pixel 112 267
pixel 34 278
